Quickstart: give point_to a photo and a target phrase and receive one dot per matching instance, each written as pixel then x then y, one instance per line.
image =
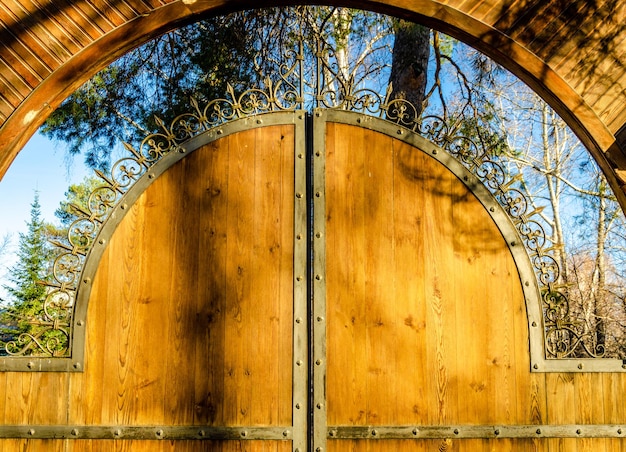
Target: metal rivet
pixel 299 362
pixel 374 433
pixel 300 156
pixel 435 151
pixel 300 116
pixel 318 114
pixel 299 236
pixel 86 281
pixel 535 366
pixel 318 235
pixel 123 206
pixel 456 431
pixel 534 324
pixel 619 431
pixel 513 243
pixel 201 433
pixel 150 176
pixel 101 241
pixel 244 434
pixel 258 121
pixel 296 449
pixel 319 406
pixel 297 406
pixel 220 131
pixel 331 433
pixel 318 277
pixel 580 365
pixel 465 178
pixel 415 431
pixel 30 364
pixel 299 320
pixel 31 432
pixel 496 432
pixel 76 365
pixel 318 194
pixel 159 433
pixel 74 432
pixel 526 283
pixel 623 366
pixel 319 449
pixel 320 318
pixel 318 153
pixel 399 132
pixel 492 209
pixel 298 278
pixel 286 433
pixel 117 432
pixel 298 195
pixel 578 431
pixel 318 362
pixel 538 431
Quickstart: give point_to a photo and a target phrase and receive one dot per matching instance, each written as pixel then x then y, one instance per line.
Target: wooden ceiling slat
pixel 567 37
pixel 14 87
pixel 35 36
pixel 64 31
pixel 612 77
pixel 517 15
pixel 503 16
pixel 534 18
pixel 22 59
pixel 610 25
pixel 86 15
pixel 117 14
pixel 74 33
pixel 617 115
pixel 485 9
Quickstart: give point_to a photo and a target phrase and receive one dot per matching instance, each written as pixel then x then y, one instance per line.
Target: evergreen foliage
pixel 25 289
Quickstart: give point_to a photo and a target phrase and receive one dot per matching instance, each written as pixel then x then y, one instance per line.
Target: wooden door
pixel 273 291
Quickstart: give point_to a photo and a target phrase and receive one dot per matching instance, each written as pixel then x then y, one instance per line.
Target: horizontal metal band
pixel 145 432
pixel 477 431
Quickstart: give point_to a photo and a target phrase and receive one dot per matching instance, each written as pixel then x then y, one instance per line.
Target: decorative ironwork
pixel 290 87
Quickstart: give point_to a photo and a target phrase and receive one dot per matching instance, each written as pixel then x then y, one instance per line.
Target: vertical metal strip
pixel 300 292
pixel 319 283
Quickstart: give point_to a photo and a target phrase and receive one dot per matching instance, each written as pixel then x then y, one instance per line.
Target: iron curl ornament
pixel 290 86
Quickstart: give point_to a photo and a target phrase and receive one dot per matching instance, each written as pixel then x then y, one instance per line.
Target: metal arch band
pixel 59 342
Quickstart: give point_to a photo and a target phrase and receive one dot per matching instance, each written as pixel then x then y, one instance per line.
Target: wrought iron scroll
pixel 289 86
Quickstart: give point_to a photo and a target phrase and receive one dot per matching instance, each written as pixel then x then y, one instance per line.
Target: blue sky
pixel 41 166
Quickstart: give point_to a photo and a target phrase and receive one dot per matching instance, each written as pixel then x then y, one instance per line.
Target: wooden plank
pixel 210 347
pixel 409 218
pixel 32 28
pixel 347 367
pixel 21 68
pixel 183 249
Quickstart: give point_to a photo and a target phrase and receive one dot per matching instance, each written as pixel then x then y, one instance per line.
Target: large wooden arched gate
pixel 331 283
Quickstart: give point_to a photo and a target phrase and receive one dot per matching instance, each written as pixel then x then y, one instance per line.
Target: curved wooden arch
pixel 571 53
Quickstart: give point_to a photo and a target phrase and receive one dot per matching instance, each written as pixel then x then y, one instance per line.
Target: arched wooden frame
pixel 528 279
pixel 504 49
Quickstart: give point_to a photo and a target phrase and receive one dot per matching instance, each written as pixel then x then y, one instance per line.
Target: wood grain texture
pixel 190 321
pixel 421 291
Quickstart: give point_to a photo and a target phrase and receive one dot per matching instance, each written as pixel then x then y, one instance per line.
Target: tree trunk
pixel 409 66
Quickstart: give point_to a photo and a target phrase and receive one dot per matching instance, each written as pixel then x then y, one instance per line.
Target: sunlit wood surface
pixel 190 317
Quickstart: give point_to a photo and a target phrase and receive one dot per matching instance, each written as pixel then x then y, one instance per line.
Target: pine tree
pixel 25 292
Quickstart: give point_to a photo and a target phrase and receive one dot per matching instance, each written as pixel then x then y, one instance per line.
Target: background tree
pixel 26 294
